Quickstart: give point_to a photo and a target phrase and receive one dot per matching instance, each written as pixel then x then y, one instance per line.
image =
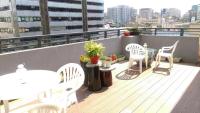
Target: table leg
pixel 6 106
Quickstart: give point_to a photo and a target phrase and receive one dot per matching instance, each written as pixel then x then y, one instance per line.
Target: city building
pixel 23 17
pixel 195 13
pixel 146 13
pixel 122 15
pixel 174 13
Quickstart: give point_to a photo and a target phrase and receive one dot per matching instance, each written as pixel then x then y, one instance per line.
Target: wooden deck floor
pixel 148 93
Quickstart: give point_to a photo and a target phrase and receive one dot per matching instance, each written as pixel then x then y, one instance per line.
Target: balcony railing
pixel 29 42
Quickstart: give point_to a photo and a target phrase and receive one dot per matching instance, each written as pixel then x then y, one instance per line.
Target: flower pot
pixel 94 59
pixel 126 33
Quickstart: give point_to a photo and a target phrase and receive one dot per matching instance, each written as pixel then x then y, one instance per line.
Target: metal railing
pixel 29 42
pixel 171 31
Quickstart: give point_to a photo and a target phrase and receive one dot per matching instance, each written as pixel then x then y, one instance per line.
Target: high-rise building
pixel 195 13
pixel 174 13
pixel 23 16
pixel 122 14
pixel 146 13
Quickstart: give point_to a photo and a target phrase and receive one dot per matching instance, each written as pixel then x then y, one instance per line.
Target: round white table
pixel 25 84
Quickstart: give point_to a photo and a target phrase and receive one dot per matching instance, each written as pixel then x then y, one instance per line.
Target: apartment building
pixel 22 17
pixel 122 15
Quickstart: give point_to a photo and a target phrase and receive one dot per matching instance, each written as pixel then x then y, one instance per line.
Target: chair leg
pixel 130 63
pixel 140 66
pixel 172 60
pixel 159 58
pixel 156 63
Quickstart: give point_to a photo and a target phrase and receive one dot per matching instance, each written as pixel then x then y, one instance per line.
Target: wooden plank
pixel 133 103
pixel 173 99
pixel 173 87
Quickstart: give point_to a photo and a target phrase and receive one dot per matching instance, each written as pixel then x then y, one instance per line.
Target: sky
pixel 157 5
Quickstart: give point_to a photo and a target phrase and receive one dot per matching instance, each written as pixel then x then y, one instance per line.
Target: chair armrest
pixel 168 48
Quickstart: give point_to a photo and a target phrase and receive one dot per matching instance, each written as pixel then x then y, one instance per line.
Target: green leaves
pixel 93 48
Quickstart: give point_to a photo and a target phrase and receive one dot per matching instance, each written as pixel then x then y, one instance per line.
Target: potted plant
pixel 133 31
pixel 93 51
pixel 126 33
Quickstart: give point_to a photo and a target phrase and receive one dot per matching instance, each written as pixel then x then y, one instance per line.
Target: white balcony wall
pixel 5 25
pixel 28 2
pixel 95 7
pixel 28 13
pixel 64 14
pixel 95 15
pixel 98 1
pixel 6 35
pixel 94 22
pixel 29 24
pixel 5 14
pixel 66 23
pixel 4 3
pixel 64 5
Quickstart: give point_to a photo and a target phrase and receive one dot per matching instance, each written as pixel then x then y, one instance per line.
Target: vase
pixel 94 59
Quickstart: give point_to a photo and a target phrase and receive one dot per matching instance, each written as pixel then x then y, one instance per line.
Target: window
pixel 4 8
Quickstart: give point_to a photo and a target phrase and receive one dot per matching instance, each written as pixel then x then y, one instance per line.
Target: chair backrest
pixel 135 49
pixel 39 108
pixel 174 46
pixel 72 75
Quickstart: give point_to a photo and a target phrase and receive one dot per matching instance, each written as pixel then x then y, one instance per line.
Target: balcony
pixel 148 92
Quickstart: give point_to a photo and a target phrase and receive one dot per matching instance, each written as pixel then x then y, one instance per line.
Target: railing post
pixel 87 36
pixel 181 32
pixel 105 34
pixel 67 39
pixel 118 32
pixel 39 39
pixel 155 32
pixel 0 46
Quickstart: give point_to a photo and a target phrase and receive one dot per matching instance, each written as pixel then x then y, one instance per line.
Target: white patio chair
pixel 138 53
pixel 38 108
pixel 166 52
pixel 71 79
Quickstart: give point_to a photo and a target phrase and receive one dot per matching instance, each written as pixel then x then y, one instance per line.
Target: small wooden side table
pixel 106 76
pixel 94 80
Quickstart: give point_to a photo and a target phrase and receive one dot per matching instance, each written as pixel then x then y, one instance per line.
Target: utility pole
pixel 44 16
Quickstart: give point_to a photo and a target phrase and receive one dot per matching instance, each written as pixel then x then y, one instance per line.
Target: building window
pixel 98 25
pixel 74 27
pixel 95 3
pixel 94 11
pixel 5 19
pixel 95 18
pixel 4 8
pixel 28 19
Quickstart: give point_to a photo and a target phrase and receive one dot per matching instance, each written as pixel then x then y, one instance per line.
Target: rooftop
pixel 148 92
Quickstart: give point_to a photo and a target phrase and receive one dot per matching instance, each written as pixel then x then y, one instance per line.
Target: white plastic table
pixel 25 84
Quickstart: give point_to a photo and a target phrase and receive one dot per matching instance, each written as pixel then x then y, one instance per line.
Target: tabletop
pixel 27 83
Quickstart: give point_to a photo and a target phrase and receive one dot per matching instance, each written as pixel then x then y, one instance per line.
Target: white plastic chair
pixel 71 79
pixel 138 53
pixel 38 108
pixel 166 52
